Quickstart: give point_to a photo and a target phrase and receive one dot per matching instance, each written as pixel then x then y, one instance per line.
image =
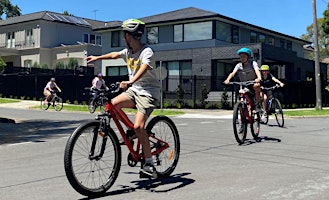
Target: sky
pixel 290 17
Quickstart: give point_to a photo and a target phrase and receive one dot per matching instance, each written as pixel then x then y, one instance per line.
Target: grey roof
pixel 178 15
pixel 52 16
pixel 191 13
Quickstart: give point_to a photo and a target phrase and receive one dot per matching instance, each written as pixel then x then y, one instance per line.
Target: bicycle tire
pixel 255 124
pixel 277 108
pixel 92 177
pixel 164 129
pixel 91 105
pixel 102 104
pixel 240 122
pixel 44 106
pixel 58 104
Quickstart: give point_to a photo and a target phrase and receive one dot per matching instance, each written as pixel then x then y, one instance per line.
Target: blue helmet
pixel 244 50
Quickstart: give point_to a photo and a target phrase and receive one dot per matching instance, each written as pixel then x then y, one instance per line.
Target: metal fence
pixel 30 86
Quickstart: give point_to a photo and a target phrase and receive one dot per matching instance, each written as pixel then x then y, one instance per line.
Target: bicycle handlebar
pixel 271 88
pixel 242 83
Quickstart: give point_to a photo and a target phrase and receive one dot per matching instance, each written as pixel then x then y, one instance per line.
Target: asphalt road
pixel 288 163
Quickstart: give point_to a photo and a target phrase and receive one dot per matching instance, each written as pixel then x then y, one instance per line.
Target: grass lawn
pixel 306 112
pixel 84 108
pixel 3 100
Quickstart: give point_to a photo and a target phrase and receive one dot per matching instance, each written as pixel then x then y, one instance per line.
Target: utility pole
pixel 316 59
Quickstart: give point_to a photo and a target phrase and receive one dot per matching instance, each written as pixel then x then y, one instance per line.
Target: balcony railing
pixel 18 45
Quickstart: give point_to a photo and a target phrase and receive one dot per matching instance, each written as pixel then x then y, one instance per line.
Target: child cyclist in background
pixel 145 86
pixel 268 80
pixel 247 70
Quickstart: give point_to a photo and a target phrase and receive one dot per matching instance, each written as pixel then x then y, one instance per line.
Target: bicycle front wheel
pixel 44 105
pixel 92 159
pixel 91 105
pixel 58 104
pixel 277 108
pixel 162 129
pixel 102 105
pixel 240 122
pixel 255 124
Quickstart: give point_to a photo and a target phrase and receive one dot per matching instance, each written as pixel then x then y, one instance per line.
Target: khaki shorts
pixel 144 104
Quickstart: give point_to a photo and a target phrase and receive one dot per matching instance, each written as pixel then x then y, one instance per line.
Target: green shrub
pixel 76 102
pixel 165 104
pixel 68 102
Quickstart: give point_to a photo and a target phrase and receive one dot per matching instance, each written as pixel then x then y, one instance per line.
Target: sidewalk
pixel 210 113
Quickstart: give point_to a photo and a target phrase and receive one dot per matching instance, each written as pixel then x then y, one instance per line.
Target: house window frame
pixel 152 32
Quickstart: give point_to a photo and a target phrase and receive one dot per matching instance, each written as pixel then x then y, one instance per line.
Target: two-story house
pixel 45 38
pixel 192 42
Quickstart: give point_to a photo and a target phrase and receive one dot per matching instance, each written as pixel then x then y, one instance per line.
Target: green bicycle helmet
pixel 265 68
pixel 133 26
pixel 244 50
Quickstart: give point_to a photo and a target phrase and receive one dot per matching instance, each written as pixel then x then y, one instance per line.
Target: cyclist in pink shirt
pixel 49 89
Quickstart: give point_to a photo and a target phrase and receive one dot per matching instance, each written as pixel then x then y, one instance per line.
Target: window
pixel 28 37
pixel 85 38
pixel 223 32
pixel 117 71
pixel 282 43
pixel 98 40
pixel 152 35
pixel 193 31
pixel 270 40
pixel 289 45
pixel 179 73
pixel 92 39
pixel 11 40
pixel 28 63
pixel 253 37
pixel 117 39
pixel 220 70
pixel 178 33
pixel 198 31
pixel 227 32
pixel 235 34
pixel 261 38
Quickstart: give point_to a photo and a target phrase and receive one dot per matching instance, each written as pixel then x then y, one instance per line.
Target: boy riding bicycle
pixel 268 80
pixel 145 87
pixel 247 70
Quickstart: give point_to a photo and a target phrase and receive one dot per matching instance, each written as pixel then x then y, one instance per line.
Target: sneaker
pixel 148 171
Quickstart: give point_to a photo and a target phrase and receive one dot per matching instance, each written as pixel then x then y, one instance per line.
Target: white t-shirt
pixel 99 83
pixel 148 84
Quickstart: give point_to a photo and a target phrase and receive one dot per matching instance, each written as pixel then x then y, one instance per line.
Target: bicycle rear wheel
pixel 91 105
pixel 92 159
pixel 58 103
pixel 240 122
pixel 255 126
pixel 277 110
pixel 44 105
pixel 162 129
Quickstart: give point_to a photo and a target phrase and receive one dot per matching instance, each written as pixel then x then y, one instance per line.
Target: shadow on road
pixel 34 130
pixel 153 185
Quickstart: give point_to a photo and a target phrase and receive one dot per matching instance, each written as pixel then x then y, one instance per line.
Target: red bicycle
pixel 92 157
pixel 244 113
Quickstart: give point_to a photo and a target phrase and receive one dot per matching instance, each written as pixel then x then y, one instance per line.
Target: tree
pixel 322 37
pixel 67 13
pixel 9 9
pixel 2 65
pixel 325 22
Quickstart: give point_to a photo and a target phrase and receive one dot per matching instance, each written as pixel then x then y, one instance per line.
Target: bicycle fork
pixel 100 132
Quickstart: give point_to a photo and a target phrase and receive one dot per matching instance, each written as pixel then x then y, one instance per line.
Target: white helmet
pixel 133 26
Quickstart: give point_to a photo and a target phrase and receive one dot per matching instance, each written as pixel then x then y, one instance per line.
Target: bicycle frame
pixel 244 98
pixel 117 116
